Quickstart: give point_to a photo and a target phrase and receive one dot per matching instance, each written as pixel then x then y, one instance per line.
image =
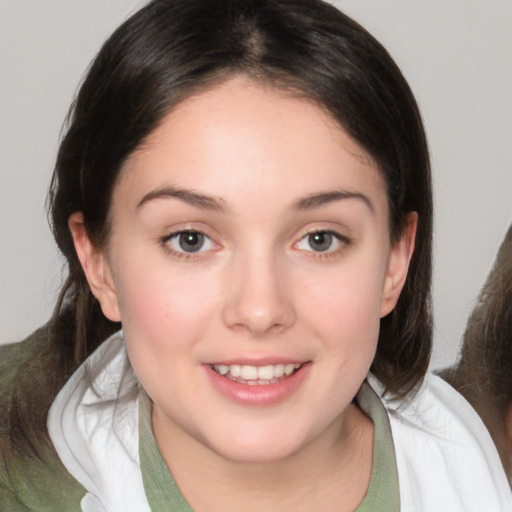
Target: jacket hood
pixel 93 424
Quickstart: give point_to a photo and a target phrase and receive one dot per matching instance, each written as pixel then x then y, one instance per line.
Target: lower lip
pixel 263 394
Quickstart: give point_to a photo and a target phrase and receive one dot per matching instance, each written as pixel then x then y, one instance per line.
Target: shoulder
pixel 445 456
pixel 22 377
pixel 29 482
pixel 22 361
pixel 12 355
pixel 17 361
pixel 38 485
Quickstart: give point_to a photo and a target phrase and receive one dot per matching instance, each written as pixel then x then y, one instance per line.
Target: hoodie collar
pixel 93 424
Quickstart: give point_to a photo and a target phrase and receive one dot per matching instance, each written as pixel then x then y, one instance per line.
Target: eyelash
pixel 342 240
pixel 183 255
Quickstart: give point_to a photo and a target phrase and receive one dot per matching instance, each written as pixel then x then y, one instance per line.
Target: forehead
pixel 244 139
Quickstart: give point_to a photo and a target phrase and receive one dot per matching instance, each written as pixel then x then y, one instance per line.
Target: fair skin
pixel 292 265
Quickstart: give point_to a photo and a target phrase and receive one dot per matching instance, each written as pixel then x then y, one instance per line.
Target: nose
pixel 258 299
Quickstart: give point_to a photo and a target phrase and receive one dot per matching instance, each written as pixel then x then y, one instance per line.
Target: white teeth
pixel 257 374
pixel 235 370
pixel 222 369
pixel 266 372
pixel 278 370
pixel 249 372
pixel 288 369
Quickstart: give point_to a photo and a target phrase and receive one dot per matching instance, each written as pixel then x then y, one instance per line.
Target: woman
pixel 244 187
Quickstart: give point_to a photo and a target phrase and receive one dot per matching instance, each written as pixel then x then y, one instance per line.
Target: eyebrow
pixel 206 202
pixel 202 201
pixel 323 198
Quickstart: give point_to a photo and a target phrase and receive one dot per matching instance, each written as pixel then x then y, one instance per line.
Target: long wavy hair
pixel 173 48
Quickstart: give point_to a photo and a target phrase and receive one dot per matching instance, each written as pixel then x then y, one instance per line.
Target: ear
pixel 96 267
pixel 398 265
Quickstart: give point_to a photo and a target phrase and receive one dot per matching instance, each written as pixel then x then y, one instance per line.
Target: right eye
pixel 322 241
pixel 188 242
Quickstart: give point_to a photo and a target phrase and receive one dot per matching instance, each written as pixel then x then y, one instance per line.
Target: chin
pixel 262 447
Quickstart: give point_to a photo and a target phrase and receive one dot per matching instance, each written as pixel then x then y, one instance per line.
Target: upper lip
pixel 266 361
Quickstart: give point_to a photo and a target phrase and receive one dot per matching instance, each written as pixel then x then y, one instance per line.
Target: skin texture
pixel 256 291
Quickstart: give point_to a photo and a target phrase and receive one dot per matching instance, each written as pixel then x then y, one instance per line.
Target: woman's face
pixel 249 263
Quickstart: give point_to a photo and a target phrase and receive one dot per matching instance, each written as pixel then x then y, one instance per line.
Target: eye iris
pixel 191 241
pixel 320 241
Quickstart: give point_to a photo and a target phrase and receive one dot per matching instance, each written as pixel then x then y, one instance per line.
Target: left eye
pixel 189 242
pixel 320 241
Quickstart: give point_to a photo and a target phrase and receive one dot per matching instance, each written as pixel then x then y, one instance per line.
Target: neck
pixel 340 458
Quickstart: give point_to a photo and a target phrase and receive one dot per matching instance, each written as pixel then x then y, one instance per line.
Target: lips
pixel 254 385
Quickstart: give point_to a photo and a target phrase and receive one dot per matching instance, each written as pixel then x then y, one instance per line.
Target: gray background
pixel 456 55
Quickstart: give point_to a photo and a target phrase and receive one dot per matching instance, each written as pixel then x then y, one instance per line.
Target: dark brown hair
pixel 483 373
pixel 172 48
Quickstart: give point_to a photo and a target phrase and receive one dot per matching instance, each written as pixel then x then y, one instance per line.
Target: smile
pixel 256 375
pixel 254 385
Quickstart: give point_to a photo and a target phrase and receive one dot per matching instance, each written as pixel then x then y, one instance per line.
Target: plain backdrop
pixel 456 54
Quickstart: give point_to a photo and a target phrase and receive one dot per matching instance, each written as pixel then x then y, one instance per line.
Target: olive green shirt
pixel 46 486
pixel 383 493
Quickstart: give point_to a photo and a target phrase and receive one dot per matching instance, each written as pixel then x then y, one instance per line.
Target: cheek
pixel 164 316
pixel 164 310
pixel 343 310
pixel 346 300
